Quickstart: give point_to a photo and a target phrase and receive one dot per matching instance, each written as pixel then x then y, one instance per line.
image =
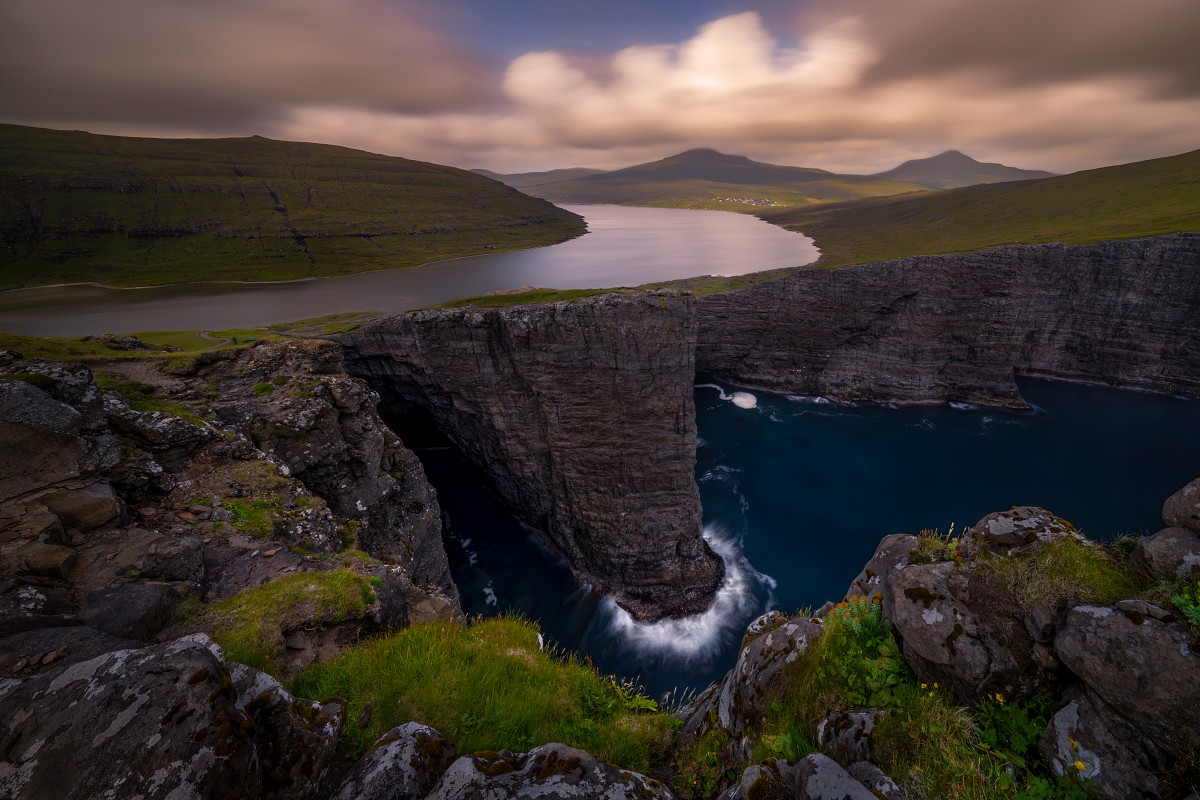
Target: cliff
pixel 581 413
pixel 961 327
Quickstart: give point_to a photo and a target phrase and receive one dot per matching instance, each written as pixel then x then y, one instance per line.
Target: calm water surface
pixel 796 494
pixel 624 247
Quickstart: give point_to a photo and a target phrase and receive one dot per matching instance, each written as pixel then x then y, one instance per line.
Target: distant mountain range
pixel 705 178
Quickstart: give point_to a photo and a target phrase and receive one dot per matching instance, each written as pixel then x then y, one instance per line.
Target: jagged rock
pixel 137 476
pixel 770 780
pixel 552 771
pixel 25 606
pixel 1169 554
pixel 154 723
pixel 893 552
pixel 1146 669
pixel 131 610
pixel 1182 509
pixel 168 437
pixel 961 326
pixel 582 415
pixel 961 630
pixel 296 739
pixel 37 651
pixel 742 702
pixel 845 736
pixel 1087 738
pixel 41 559
pixel 324 427
pixel 45 441
pixel 240 563
pixel 819 777
pixel 1007 532
pixel 405 764
pixel 876 781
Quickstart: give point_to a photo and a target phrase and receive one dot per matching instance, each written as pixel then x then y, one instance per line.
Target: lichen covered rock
pixel 405 764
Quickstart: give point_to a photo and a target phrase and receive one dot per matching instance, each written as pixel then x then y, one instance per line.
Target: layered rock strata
pixel 960 327
pixel 581 413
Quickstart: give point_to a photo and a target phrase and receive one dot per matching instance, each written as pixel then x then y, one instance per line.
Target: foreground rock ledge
pixel 582 415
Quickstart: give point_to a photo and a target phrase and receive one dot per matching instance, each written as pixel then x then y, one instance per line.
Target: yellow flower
pixel 1074 744
pixel 999 698
pixel 1079 765
pixel 924 686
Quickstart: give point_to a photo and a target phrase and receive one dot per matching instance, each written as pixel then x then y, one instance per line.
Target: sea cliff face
pixel 582 415
pixel 961 327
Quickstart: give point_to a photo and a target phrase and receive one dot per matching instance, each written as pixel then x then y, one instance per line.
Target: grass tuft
pixel 1063 571
pixel 488 686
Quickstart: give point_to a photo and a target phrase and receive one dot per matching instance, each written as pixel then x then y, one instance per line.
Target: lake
pixel 797 492
pixel 624 247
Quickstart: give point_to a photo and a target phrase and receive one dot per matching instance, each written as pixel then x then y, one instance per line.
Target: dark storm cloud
pixel 1029 42
pixel 224 63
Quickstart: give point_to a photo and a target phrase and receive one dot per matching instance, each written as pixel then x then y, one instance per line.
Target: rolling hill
pixel 1144 198
pixel 522 180
pixel 708 179
pixel 953 169
pixel 78 207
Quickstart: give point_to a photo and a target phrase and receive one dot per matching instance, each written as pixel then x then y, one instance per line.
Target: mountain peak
pixel 955 168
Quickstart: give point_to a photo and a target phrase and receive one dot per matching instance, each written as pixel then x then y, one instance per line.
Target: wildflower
pixel 1079 765
pixel 924 686
pixel 999 698
pixel 1074 744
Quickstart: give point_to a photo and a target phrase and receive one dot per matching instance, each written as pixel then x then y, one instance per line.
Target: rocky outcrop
pixel 405 764
pixel 552 771
pixel 160 722
pixel 1182 509
pixel 295 402
pixel 581 414
pixel 961 326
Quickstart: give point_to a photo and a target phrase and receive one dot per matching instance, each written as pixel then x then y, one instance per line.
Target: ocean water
pixel 797 492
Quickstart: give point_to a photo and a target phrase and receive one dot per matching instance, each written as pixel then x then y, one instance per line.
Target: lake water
pixel 624 247
pixel 796 494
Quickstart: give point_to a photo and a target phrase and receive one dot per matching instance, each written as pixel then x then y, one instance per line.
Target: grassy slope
pixel 123 211
pixel 1123 202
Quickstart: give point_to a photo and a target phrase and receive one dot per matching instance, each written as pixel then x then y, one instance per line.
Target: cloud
pixel 226 63
pixel 854 86
pixel 861 92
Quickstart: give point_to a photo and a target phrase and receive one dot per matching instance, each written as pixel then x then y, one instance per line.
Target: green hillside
pixel 523 180
pixel 708 179
pixel 77 207
pixel 1123 202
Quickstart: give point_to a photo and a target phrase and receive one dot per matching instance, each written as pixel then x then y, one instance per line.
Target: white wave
pixel 739 399
pixel 964 406
pixel 814 399
pixel 701 441
pixel 702 636
pixel 489 597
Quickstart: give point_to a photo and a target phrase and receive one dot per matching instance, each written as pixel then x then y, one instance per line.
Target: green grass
pixel 250 626
pixel 1146 198
pixel 141 397
pixel 166 345
pixel 121 211
pixel 1063 571
pixel 487 686
pixel 522 298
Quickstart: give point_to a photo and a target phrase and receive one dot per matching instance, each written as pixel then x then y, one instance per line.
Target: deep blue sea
pixel 796 493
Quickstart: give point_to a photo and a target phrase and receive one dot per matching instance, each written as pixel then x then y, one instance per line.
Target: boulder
pixel 297 739
pixel 819 777
pixel 961 630
pixel 1167 555
pixel 742 702
pixel 124 554
pixel 1182 509
pixel 1013 530
pixel 1147 669
pixel 771 780
pixel 893 553
pixel 156 723
pixel 876 781
pixel 85 508
pixel 25 606
pixel 551 772
pixel 845 736
pixel 405 764
pixel 131 610
pixel 1089 739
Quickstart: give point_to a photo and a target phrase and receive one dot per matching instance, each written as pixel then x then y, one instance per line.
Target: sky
pixel 848 85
